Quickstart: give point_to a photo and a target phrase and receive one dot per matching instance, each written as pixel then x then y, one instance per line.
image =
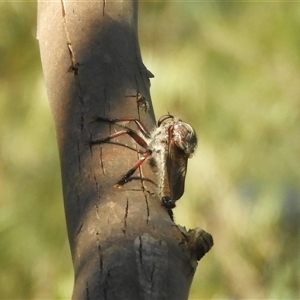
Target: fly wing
pixel 176 169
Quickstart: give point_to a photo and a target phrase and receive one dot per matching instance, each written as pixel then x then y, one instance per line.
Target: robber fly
pixel 168 147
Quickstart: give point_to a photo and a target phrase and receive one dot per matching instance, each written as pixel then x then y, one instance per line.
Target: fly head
pixel 184 137
pixel 181 134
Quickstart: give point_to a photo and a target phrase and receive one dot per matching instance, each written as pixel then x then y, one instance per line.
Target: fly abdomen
pixel 167 202
pixel 164 184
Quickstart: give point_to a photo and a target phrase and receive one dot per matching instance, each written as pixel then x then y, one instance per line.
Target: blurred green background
pixel 231 69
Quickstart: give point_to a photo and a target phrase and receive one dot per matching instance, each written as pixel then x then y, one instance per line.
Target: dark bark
pixel 123 242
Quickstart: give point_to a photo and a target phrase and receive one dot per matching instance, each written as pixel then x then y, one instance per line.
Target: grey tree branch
pixel 123 242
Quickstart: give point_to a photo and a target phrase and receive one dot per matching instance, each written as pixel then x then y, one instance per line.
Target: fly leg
pixel 126 177
pixel 128 131
pixel 134 135
pixel 139 124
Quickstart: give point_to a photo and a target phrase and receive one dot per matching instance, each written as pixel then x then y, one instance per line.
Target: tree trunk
pixel 123 243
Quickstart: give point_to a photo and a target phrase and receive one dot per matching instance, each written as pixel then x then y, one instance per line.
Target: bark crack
pixel 141 250
pixel 97 190
pixel 79 229
pixel 78 200
pixel 101 161
pixel 125 217
pixel 103 7
pixel 78 157
pixel 74 63
pixel 106 285
pixel 152 274
pixel 97 210
pixel 99 253
pixel 87 291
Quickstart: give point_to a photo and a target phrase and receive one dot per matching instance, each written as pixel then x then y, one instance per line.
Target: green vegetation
pixel 231 69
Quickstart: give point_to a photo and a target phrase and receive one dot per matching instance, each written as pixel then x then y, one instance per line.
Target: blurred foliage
pixel 34 251
pixel 231 69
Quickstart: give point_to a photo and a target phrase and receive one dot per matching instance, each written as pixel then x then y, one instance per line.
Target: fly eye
pixel 190 133
pixel 187 131
pixel 164 118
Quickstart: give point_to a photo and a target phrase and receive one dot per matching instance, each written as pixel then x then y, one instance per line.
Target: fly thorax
pixel 159 146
